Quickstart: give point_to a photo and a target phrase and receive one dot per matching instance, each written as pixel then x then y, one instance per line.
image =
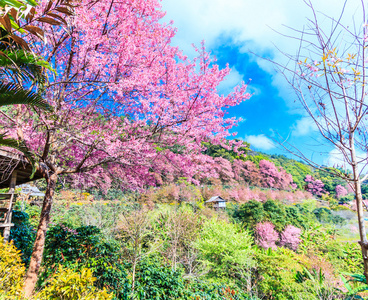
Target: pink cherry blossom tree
pixel 340 191
pixel 128 105
pixel 266 235
pixel 247 172
pixel 314 186
pixel 290 237
pixel 274 177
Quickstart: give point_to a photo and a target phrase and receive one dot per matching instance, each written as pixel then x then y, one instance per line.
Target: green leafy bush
pixel 84 247
pixel 254 212
pixel 69 284
pixel 276 275
pixel 226 250
pixel 324 215
pixel 22 234
pixel 157 281
pixel 204 290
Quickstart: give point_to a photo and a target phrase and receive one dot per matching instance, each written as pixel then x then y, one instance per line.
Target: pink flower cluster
pixel 314 186
pixel 340 191
pixel 290 237
pixel 241 194
pixel 267 236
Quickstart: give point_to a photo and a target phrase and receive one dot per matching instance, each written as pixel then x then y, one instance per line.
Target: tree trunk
pixel 36 258
pixel 359 202
pixel 133 274
pixel 363 235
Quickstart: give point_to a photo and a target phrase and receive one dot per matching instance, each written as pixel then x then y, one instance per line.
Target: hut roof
pixel 216 199
pixel 30 190
pixel 10 161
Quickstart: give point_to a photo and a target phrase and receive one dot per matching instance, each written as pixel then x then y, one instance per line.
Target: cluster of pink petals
pixel 130 107
pixel 267 236
pixel 290 237
pixel 314 186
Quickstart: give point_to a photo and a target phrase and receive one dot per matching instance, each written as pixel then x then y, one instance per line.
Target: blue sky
pixel 235 29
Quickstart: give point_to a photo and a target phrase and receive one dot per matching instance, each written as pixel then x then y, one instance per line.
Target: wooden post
pixel 13 182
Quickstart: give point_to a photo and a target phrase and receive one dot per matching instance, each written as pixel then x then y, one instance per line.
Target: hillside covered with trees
pixel 137 187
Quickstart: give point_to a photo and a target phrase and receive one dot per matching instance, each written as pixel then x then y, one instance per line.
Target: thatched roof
pixel 10 161
pixel 216 199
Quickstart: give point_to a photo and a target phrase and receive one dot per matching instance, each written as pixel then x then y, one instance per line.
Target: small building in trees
pixel 217 202
pixel 14 170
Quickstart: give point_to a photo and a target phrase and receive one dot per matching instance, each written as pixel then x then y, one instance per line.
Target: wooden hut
pixel 14 170
pixel 217 202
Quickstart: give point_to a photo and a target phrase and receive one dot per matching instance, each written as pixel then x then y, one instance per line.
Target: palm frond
pixel 11 94
pixel 25 65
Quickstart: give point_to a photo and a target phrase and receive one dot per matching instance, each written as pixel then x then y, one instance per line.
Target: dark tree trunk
pixel 36 258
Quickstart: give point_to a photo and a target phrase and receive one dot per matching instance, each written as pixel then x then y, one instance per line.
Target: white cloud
pixel 231 80
pixel 304 127
pixel 250 22
pixel 260 142
pixel 253 25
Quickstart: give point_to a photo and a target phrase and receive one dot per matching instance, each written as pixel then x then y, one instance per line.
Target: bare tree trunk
pixel 36 258
pixel 363 235
pixel 133 273
pixel 359 202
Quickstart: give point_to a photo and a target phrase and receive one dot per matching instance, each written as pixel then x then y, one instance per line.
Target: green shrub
pixel 22 234
pixel 253 212
pixel 276 275
pixel 204 290
pixel 226 250
pixel 324 215
pixel 84 247
pixel 67 284
pixel 157 281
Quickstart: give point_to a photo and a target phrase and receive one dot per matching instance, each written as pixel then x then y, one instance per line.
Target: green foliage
pixel 227 251
pixel 315 283
pixel 67 284
pixel 230 155
pixel 276 214
pixel 27 66
pixel 257 158
pixel 33 212
pixel 297 169
pixel 364 191
pixel 22 234
pixel 276 271
pixel 324 215
pixel 11 94
pixel 359 285
pixel 346 257
pixel 84 247
pixel 253 212
pixel 250 213
pixel 157 281
pixel 350 197
pixel 204 290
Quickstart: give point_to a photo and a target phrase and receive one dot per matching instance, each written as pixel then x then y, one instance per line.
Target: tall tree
pixel 127 104
pixel 330 79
